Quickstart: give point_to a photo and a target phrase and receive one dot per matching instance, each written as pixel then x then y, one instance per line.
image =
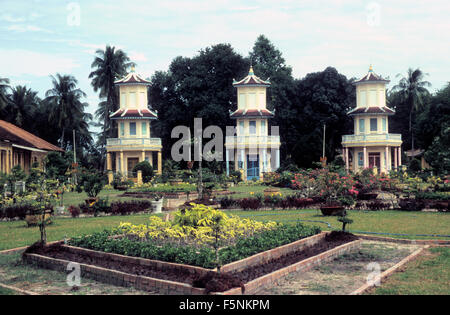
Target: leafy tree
pixel 412 90
pixel 322 98
pixel 57 164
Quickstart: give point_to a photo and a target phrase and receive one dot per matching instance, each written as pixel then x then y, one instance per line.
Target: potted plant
pixel 175 181
pixel 157 203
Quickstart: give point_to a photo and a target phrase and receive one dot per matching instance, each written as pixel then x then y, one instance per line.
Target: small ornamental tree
pixel 147 170
pixel 92 183
pixel 344 220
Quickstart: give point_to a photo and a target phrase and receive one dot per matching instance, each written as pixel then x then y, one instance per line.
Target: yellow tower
pixel 252 149
pixel 134 143
pixel 371 145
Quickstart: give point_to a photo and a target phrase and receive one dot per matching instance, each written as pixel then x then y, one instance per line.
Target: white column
pixel 399 155
pixel 388 164
pixel 278 159
pixel 264 154
pixel 347 164
pixel 227 161
pixel 365 157
pixel 395 158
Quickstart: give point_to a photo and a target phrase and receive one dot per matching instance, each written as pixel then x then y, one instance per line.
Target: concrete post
pixel 159 163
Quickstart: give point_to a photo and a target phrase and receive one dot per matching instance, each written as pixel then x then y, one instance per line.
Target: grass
pixel 4 291
pixel 242 191
pixel 74 198
pixel 399 222
pixel 16 234
pixel 429 274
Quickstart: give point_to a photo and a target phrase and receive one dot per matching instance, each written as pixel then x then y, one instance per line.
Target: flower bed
pixel 169 278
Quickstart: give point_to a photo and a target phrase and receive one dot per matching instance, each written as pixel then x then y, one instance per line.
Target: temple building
pixel 19 147
pixel 253 151
pixel 371 145
pixel 134 142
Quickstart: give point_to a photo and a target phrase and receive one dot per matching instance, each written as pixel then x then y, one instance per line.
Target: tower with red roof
pixel 252 149
pixel 134 143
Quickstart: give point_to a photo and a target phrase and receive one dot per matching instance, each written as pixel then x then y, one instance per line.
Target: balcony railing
pixel 392 137
pixel 154 142
pixel 252 140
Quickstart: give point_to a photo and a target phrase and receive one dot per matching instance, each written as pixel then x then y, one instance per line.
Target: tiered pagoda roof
pixel 251 80
pixel 125 113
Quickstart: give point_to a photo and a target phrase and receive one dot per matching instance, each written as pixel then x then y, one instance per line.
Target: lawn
pixel 74 198
pixel 242 191
pixel 16 234
pixel 429 274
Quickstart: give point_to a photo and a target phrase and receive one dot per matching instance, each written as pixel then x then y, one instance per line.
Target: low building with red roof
pixel 20 147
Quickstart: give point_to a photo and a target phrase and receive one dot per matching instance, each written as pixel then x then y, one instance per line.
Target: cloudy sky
pixel 40 37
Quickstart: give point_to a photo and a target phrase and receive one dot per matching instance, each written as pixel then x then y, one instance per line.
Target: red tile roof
pixel 251 79
pixel 252 113
pixel 132 78
pixel 134 114
pixel 19 136
pixel 370 77
pixel 371 110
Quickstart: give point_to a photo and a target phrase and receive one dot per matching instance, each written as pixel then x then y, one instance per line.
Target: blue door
pixel 252 167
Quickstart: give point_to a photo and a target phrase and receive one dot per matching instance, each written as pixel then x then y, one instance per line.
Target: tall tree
pixel 325 98
pixel 269 64
pixel 412 90
pixel 23 103
pixel 68 109
pixel 108 66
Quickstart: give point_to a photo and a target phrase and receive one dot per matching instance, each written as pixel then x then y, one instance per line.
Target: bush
pixel 74 211
pixel 147 171
pixel 92 183
pixel 250 203
pixel 227 202
pixel 411 205
pixel 128 207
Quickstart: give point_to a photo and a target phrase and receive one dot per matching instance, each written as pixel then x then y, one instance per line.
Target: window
pixel 252 128
pixel 362 101
pixel 132 99
pixel 360 158
pixel 122 129
pixel 373 124
pixel 384 123
pixel 263 127
pixel 241 128
pixel 132 129
pixel 252 100
pixel 144 129
pixel 361 126
pixel 123 99
pixel 241 100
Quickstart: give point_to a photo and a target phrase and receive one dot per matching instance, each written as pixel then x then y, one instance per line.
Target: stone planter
pixel 157 205
pixel 271 191
pixel 60 209
pixel 332 210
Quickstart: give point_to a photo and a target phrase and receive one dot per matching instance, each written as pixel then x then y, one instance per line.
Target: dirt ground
pixel 344 274
pixel 341 276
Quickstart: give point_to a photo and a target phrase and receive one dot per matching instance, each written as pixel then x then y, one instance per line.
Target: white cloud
pixel 12 19
pixel 26 28
pixel 24 62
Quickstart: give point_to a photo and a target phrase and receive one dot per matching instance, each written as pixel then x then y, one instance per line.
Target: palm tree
pixel 22 105
pixel 65 98
pixel 412 90
pixel 108 66
pixel 4 87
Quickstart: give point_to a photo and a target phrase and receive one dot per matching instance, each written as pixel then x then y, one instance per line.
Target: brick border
pixel 391 270
pixel 403 241
pixel 171 287
pixel 255 285
pixel 17 290
pixel 274 253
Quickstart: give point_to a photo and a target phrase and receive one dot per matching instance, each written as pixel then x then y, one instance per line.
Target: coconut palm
pixel 21 107
pixel 4 87
pixel 68 112
pixel 108 66
pixel 412 90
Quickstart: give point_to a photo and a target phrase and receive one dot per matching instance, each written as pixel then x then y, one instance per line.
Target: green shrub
pixel 147 171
